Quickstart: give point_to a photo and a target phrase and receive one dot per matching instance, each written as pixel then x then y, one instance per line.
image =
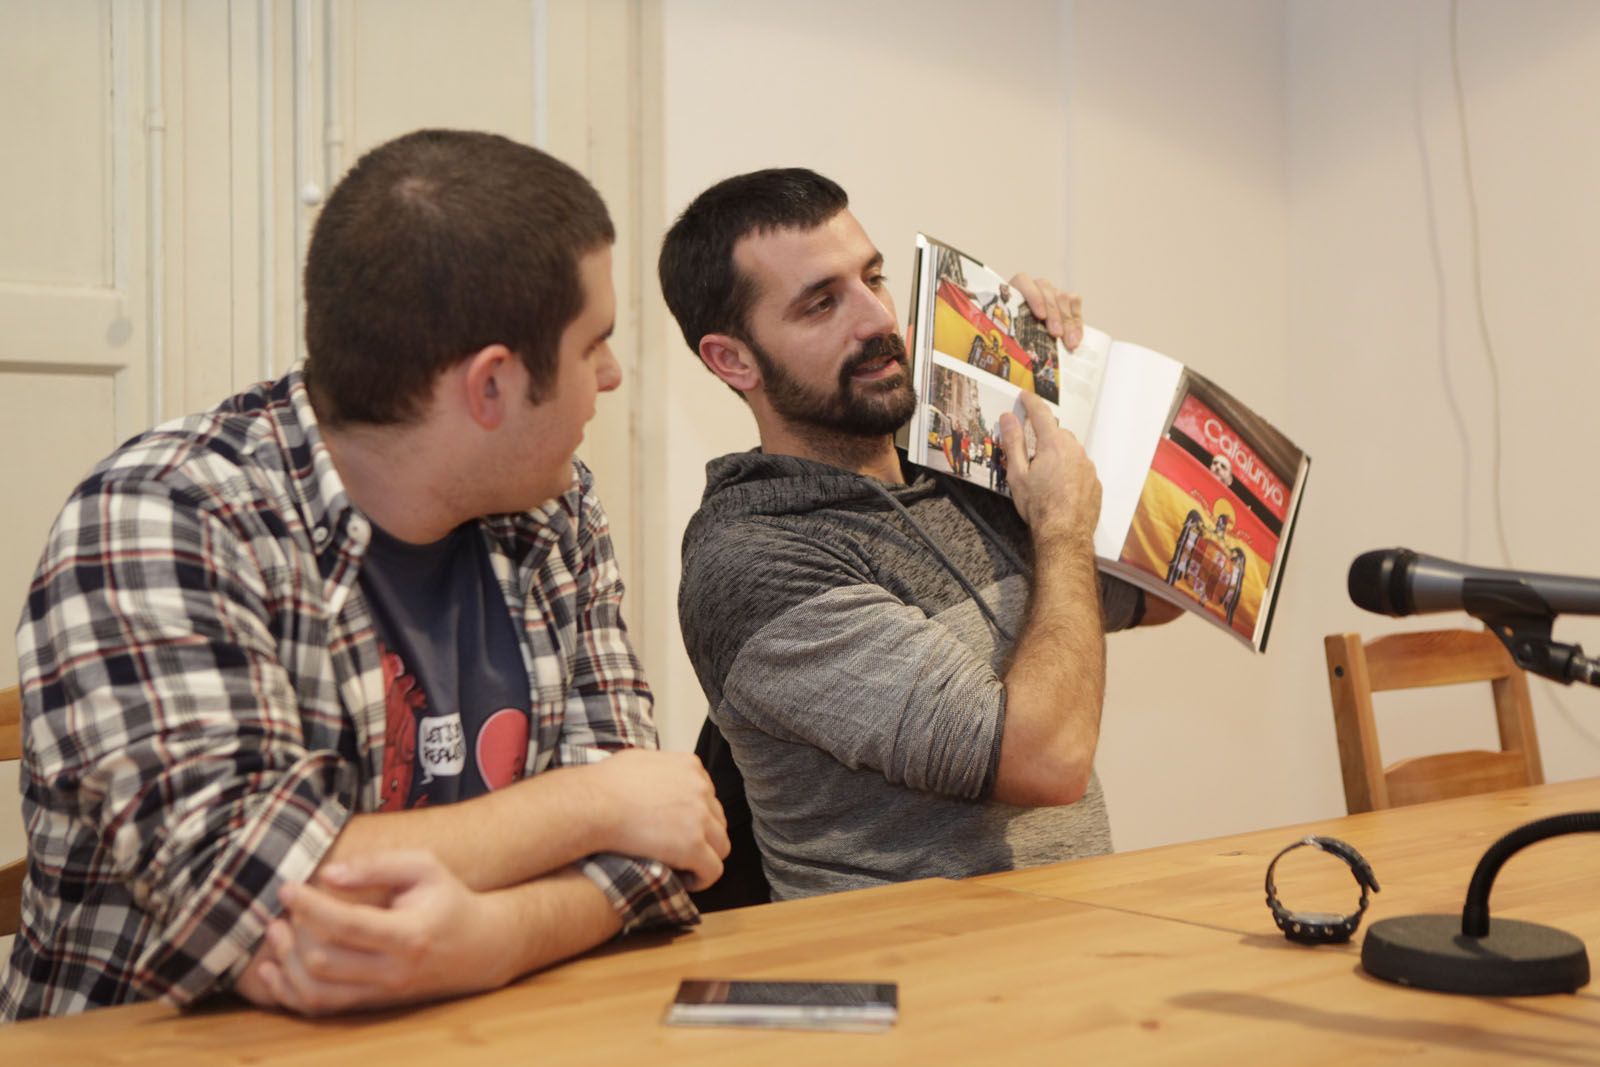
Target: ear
pixel 490 378
pixel 731 360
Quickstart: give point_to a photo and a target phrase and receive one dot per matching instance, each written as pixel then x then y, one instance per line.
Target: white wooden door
pixel 160 170
pixel 74 296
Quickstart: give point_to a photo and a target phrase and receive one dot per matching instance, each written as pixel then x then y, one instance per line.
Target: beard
pixel 860 409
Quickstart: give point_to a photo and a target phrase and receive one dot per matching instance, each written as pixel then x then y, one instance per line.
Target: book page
pixel 1082 374
pixel 1215 507
pixel 1136 395
pixel 846 1006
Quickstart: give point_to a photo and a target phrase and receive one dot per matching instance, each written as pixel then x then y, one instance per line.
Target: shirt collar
pixel 341 533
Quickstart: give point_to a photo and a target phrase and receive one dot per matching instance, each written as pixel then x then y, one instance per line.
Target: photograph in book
pixel 1212 511
pixel 982 321
pixel 961 417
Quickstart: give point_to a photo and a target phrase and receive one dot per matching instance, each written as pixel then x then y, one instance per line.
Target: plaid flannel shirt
pixel 203 702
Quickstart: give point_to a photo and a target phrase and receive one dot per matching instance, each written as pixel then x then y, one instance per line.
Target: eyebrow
pixel 822 284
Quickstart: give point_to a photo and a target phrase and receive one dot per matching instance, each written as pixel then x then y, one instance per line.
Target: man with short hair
pixel 997 306
pixel 908 671
pixel 327 695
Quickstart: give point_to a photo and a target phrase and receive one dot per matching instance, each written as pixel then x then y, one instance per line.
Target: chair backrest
pixel 10 724
pixel 1356 670
pixel 11 749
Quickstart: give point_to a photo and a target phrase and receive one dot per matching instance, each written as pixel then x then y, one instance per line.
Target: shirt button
pixel 359 528
pixel 320 535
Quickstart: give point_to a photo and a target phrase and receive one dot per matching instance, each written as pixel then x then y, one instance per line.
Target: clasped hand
pixel 329 952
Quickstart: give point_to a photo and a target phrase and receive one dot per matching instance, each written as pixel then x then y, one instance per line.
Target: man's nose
pixel 608 372
pixel 877 318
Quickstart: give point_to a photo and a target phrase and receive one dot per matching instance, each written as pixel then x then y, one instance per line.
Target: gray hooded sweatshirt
pixel 835 626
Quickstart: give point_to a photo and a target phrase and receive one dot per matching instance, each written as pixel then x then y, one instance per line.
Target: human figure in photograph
pixel 909 671
pixel 997 306
pixel 1222 470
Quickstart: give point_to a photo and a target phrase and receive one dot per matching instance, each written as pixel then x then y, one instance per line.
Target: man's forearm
pixel 505 838
pixel 1057 677
pixel 552 918
pixel 1056 682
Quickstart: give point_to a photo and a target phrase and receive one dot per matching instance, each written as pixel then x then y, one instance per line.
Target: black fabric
pixel 743 882
pixel 455 682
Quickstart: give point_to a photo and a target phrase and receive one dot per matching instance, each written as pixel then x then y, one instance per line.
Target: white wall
pixel 1179 229
pixel 1239 183
pixel 1133 151
pixel 1383 308
pixel 896 103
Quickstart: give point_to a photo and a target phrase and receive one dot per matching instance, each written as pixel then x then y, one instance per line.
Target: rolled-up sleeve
pixel 1121 604
pixel 609 708
pixel 167 785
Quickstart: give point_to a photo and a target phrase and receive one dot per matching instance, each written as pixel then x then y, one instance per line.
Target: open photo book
pixel 1199 494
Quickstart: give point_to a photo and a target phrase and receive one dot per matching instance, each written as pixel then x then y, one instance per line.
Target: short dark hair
pixel 704 289
pixel 434 246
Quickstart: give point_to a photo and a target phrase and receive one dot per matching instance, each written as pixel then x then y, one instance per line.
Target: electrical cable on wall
pixel 1496 496
pixel 1495 449
pixel 1441 308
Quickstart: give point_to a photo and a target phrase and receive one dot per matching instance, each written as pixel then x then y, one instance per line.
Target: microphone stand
pixel 1471 955
pixel 1509 957
pixel 1522 621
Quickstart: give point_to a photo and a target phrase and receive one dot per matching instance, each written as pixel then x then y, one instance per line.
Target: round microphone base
pixel 1515 959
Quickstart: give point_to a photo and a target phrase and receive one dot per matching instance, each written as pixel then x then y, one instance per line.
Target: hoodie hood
pixel 749 485
pixel 754 483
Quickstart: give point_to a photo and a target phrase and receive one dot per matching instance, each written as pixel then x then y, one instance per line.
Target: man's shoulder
pixel 248 445
pixel 719 544
pixel 714 526
pixel 723 538
pixel 773 495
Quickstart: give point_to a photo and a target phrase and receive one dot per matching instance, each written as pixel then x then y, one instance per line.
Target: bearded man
pixel 907 670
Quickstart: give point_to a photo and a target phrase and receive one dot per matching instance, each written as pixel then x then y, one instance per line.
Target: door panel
pixel 72 281
pixel 153 227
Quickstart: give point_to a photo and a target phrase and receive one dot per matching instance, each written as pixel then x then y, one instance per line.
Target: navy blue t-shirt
pixel 455 683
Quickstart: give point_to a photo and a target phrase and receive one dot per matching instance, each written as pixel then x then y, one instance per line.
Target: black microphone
pixel 1398 581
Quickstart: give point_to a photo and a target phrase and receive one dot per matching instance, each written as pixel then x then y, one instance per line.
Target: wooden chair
pixel 11 749
pixel 1412 660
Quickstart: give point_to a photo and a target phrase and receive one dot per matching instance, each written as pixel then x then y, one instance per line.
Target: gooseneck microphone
pixel 1398 581
pixel 1470 954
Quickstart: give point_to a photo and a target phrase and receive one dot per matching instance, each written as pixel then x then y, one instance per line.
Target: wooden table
pixel 1423 857
pixel 1162 956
